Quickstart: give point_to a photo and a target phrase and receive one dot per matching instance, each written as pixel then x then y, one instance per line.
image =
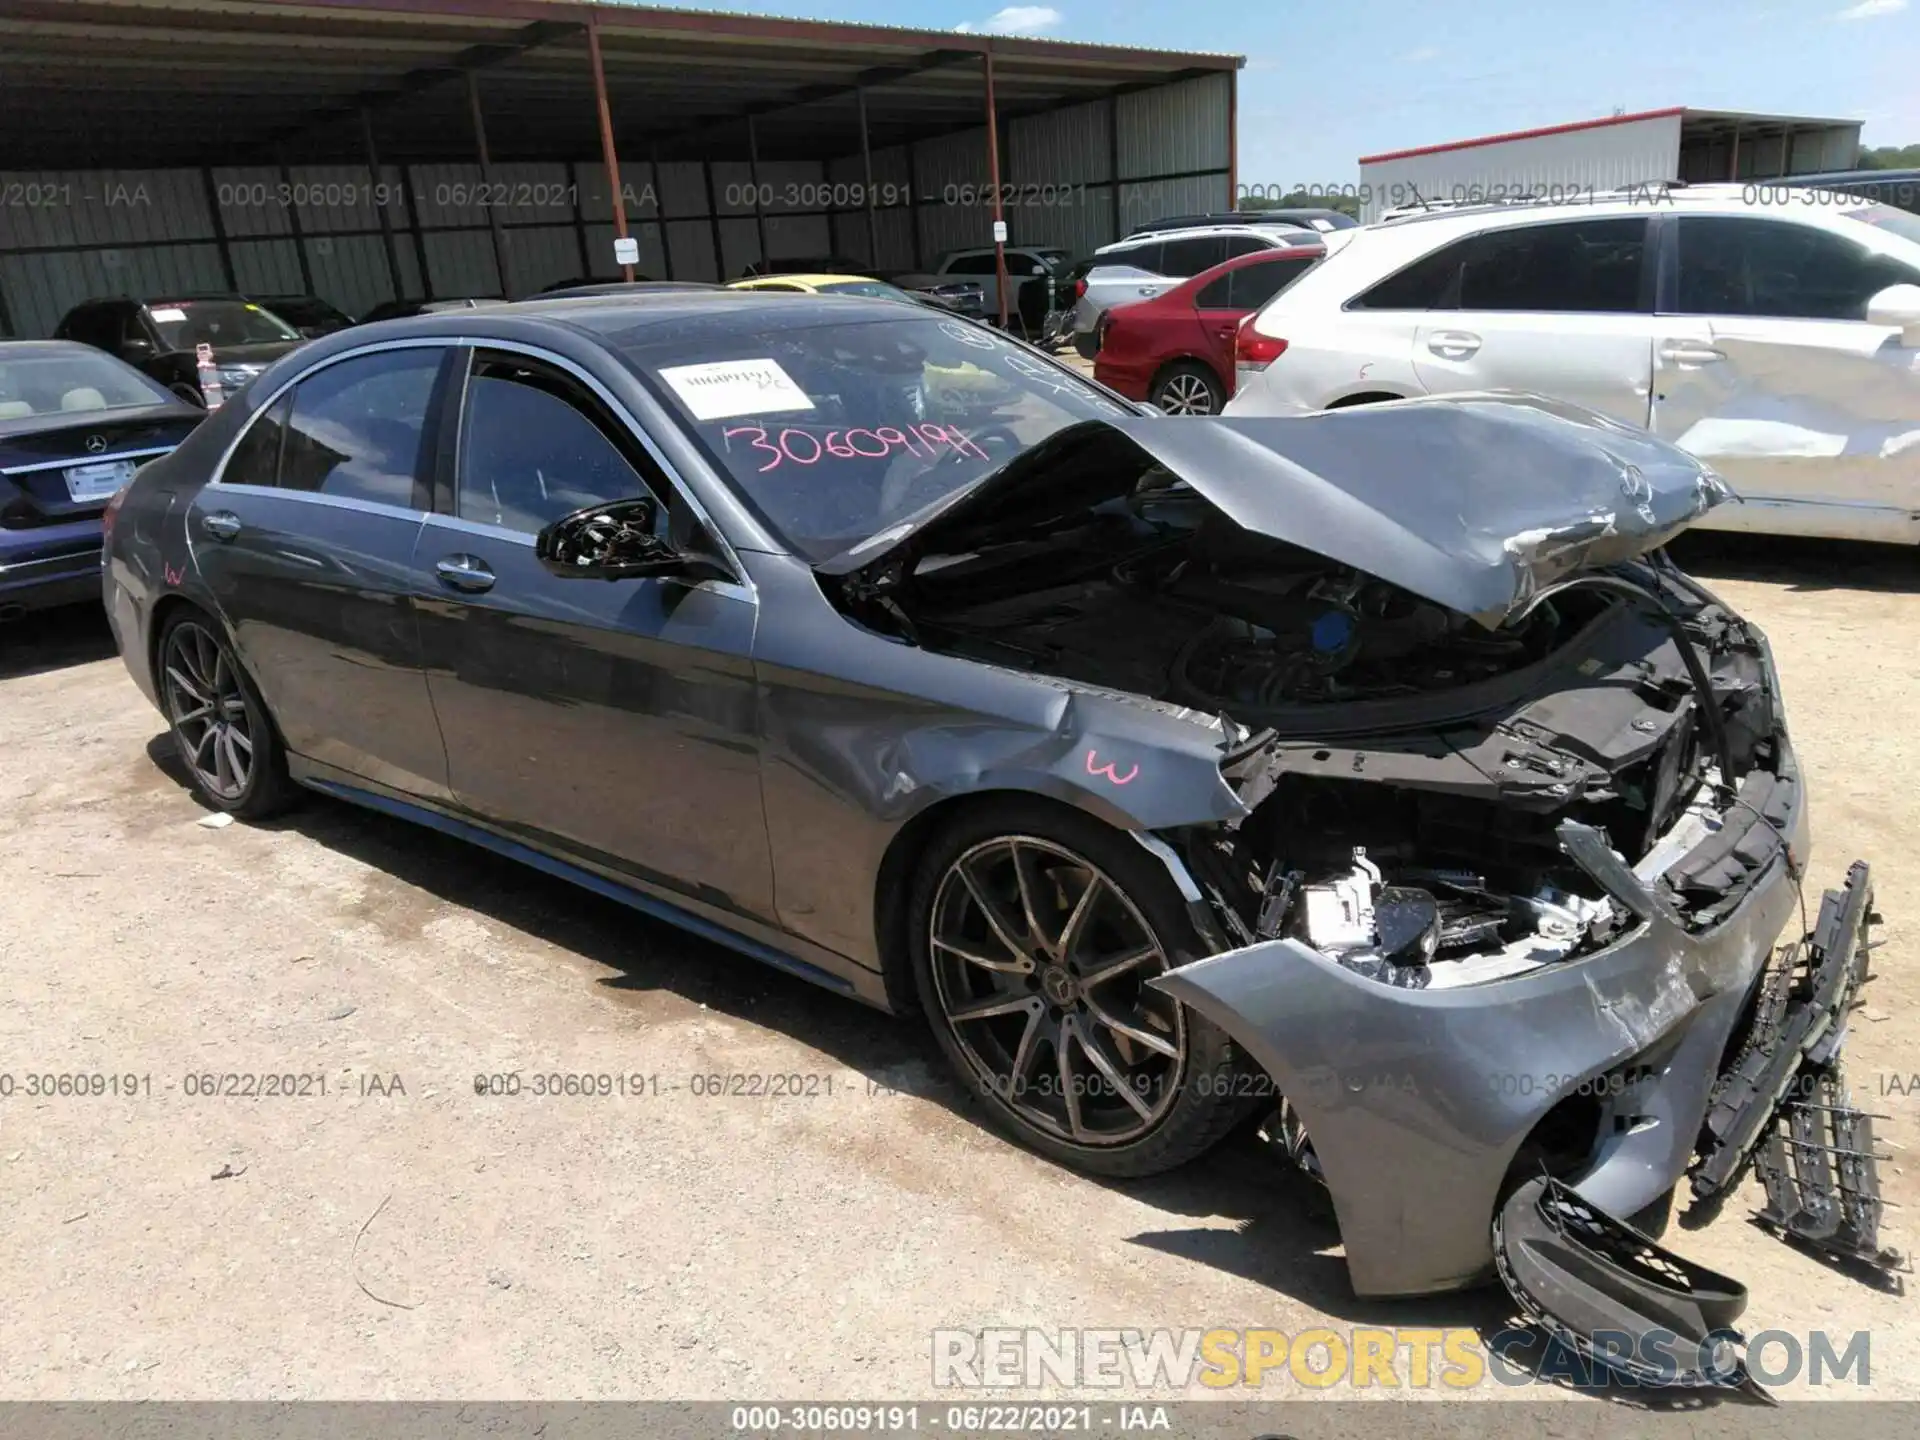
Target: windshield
pixel 1885 217
pixel 55 382
pixel 184 324
pixel 833 432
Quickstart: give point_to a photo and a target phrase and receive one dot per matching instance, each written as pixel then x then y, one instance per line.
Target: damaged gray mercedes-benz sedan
pixel 1374 769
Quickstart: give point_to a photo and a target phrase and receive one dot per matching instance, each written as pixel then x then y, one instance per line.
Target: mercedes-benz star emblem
pixel 96 444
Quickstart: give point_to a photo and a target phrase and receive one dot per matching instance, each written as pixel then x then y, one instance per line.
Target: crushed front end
pixel 1534 946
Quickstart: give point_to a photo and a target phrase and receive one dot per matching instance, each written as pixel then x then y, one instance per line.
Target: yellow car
pixel 828 285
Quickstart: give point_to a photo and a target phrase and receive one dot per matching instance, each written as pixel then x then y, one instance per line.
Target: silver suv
pixel 1772 330
pixel 1148 264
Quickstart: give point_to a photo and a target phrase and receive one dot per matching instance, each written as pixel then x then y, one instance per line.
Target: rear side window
pixel 1246 245
pixel 1216 294
pixel 1254 285
pixel 971 265
pixel 536 446
pixel 1185 258
pixel 1732 265
pixel 1585 266
pixel 256 459
pixel 358 428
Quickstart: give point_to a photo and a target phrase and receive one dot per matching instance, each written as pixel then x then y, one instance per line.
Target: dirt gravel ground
pixel 400 1236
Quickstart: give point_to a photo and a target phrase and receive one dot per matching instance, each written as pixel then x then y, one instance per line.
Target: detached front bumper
pixel 1419 1104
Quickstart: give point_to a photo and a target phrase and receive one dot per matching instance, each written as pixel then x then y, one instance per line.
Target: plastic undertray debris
pixel 1598 1286
pixel 1782 1105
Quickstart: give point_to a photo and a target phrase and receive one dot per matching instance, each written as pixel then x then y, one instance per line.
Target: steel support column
pixel 607 152
pixel 299 235
pixel 659 210
pixel 1233 140
pixel 713 223
pixel 866 171
pixel 1113 162
pixel 993 180
pixel 219 226
pixel 379 197
pixel 487 188
pixel 753 179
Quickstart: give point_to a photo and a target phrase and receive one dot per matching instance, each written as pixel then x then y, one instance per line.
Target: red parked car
pixel 1176 350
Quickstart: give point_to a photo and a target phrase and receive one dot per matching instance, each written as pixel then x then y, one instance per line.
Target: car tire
pixel 1003 1005
pixel 1187 388
pixel 220 726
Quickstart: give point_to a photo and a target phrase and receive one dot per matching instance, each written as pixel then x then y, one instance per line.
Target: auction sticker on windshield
pixel 726 388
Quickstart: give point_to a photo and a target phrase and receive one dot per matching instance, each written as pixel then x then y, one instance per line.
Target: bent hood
pixel 1475 502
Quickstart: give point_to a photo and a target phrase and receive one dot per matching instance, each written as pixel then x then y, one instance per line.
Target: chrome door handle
pixel 468 573
pixel 221 524
pixel 1690 352
pixel 1145 290
pixel 1453 344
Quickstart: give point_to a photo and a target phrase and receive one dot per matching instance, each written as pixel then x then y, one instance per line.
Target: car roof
pixel 821 279
pixel 21 349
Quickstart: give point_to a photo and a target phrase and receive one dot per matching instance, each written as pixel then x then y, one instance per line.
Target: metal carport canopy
pixel 129 84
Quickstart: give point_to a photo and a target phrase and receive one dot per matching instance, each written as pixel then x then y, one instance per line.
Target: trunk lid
pixel 1475 502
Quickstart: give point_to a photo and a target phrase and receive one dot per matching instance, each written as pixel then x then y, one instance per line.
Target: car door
pixel 1247 288
pixel 1563 308
pixel 614 720
pixel 305 539
pixel 1767 368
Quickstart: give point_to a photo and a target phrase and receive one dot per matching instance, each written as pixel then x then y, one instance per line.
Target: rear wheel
pixel 1187 388
pixel 220 727
pixel 1035 931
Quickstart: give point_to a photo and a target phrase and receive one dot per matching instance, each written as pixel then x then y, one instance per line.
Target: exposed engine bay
pixel 1411 830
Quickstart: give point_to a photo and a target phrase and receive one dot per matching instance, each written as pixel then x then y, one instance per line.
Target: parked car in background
pixel 622 287
pixel 161 337
pixel 1774 334
pixel 842 285
pixel 1306 217
pixel 1036 275
pixel 74 424
pixel 309 314
pixel 1176 350
pixel 1152 263
pixel 805 265
pixel 401 309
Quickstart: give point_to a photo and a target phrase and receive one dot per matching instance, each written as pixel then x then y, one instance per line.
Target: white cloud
pixel 1421 56
pixel 1871 9
pixel 1031 20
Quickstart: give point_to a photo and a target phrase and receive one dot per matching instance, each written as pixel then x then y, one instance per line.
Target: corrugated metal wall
pixel 1636 152
pixel 318 229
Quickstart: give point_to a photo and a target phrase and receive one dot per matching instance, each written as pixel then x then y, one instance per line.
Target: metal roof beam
pixel 427 77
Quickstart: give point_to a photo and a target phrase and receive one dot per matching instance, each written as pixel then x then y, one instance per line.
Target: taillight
pixel 1254 351
pixel 1080 288
pixel 107 516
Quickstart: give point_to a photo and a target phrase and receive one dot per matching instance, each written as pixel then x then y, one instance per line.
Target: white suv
pixel 1772 331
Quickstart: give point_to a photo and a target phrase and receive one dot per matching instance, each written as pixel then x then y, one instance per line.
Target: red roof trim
pixel 1525 134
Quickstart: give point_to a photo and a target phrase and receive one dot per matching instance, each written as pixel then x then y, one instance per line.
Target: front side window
pixel 834 431
pixel 357 428
pixel 535 448
pixel 1733 265
pixel 1590 266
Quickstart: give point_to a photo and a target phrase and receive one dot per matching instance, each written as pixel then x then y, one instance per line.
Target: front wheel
pixel 220 727
pixel 1035 931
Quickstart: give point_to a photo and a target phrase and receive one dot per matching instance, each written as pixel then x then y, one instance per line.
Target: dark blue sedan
pixel 74 424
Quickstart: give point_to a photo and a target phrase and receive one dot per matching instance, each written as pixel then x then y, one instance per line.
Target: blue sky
pixel 1330 80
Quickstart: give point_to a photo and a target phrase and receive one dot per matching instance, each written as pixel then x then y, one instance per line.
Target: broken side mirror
pixel 616 541
pixel 1898 306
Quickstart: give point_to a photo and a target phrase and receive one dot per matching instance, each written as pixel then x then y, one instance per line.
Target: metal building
pixel 363 149
pixel 1644 148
